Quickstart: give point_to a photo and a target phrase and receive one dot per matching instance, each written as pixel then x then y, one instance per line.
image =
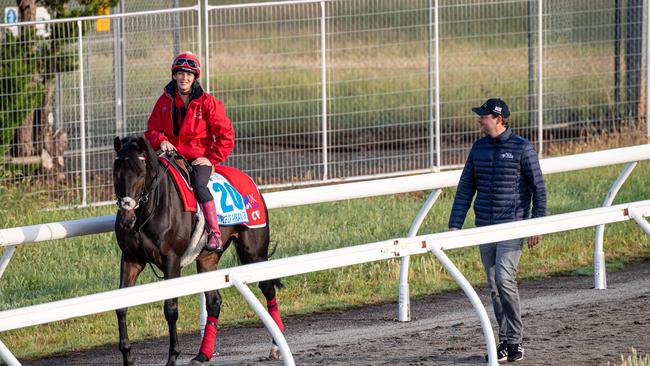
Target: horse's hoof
pixel 275 353
pixel 199 360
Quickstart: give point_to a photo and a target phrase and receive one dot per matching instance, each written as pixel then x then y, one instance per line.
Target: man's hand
pixel 533 241
pixel 167 146
pixel 202 161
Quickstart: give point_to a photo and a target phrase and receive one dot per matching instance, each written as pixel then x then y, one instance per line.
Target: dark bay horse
pixel 152 227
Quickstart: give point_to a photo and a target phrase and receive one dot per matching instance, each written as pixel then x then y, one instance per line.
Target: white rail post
pixel 404 302
pixel 323 53
pixel 266 318
pixel 636 215
pixel 474 299
pixel 203 314
pixel 600 275
pixel 7 356
pixel 82 116
pixel 6 257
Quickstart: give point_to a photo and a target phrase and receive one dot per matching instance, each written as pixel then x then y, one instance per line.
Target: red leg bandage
pixel 272 305
pixel 209 336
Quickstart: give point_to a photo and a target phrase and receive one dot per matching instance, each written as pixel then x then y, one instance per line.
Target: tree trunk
pixel 27 10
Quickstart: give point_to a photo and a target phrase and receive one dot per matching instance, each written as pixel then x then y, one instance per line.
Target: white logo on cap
pixel 497 109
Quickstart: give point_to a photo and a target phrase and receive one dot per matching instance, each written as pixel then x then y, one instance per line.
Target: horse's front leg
pixel 172 270
pixel 213 307
pixel 129 271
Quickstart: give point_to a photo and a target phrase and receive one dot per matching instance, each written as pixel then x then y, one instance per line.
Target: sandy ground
pixel 566 323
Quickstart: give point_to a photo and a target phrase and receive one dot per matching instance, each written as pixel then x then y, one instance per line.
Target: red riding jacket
pixel 205 131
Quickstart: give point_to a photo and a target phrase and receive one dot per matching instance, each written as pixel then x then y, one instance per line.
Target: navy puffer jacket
pixel 504 173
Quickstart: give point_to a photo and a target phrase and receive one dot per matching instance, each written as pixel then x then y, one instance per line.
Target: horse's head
pixel 132 169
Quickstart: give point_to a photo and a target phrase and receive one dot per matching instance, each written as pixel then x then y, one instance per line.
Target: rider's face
pixel 184 81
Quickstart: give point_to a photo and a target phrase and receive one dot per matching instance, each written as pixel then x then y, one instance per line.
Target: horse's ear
pixel 117 144
pixel 145 147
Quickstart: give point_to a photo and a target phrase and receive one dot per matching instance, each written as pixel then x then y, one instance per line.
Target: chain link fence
pixel 322 91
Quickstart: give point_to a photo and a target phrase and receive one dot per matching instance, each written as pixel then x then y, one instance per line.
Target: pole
pixel 404 299
pixel 118 62
pixel 437 76
pixel 600 277
pixel 540 77
pixel 323 52
pixel 531 68
pixel 82 116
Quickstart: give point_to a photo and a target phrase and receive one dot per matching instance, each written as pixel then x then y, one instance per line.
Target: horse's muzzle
pixel 127 219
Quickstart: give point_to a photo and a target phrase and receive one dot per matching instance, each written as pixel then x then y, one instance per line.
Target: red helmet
pixel 186 61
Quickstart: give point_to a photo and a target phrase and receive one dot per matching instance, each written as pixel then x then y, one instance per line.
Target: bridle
pixel 128 203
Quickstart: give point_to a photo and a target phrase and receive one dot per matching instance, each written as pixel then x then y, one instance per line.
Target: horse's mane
pixel 141 146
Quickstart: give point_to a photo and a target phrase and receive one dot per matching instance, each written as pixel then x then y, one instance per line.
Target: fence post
pixel 206 41
pixel 265 317
pixel 540 91
pixel 118 61
pixel 175 26
pixel 647 78
pixel 7 356
pixel 323 52
pixel 82 116
pixel 600 277
pixel 404 298
pixel 490 343
pixel 437 52
pixel 199 30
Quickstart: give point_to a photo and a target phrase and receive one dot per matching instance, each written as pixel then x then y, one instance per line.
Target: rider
pixel 189 120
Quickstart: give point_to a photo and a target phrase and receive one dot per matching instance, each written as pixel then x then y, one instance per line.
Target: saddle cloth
pixel 182 186
pixel 236 196
pixel 244 198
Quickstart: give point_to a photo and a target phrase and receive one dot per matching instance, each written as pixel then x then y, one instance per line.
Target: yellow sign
pixel 103 25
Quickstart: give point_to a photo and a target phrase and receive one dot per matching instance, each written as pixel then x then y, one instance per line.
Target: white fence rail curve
pixel 291 266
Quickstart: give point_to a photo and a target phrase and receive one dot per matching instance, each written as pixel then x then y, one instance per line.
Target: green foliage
pixel 35 61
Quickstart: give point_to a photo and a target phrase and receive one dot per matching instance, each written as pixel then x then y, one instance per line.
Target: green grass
pixel 633 360
pixel 62 269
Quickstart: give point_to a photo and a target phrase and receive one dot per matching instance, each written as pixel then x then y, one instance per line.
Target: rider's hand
pixel 202 161
pixel 167 146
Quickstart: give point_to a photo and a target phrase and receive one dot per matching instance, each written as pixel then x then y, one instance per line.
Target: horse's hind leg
pixel 129 271
pixel 252 247
pixel 213 307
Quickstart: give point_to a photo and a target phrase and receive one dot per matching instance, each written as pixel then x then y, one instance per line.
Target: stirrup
pixel 217 247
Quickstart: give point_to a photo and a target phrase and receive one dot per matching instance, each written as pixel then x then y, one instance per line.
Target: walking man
pixel 503 171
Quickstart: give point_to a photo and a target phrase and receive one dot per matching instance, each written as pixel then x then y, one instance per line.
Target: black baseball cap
pixel 494 106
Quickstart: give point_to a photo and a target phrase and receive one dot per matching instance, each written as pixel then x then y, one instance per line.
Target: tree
pixel 27 81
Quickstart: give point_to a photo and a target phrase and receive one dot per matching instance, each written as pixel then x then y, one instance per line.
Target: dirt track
pixel 566 323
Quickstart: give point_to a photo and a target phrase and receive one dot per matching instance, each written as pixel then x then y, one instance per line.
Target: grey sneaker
pixel 515 352
pixel 502 351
